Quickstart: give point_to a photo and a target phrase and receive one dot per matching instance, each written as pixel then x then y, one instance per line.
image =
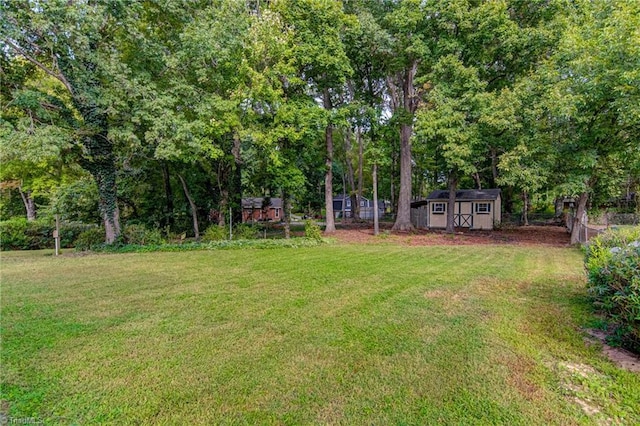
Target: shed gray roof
pixel 466 194
pixel 257 202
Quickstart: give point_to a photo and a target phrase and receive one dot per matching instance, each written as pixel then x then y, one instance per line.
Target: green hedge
pixel 613 267
pixel 20 234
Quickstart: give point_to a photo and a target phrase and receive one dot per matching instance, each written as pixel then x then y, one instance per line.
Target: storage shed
pixel 474 209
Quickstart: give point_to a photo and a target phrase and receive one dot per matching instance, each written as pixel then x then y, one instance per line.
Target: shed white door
pixel 463 216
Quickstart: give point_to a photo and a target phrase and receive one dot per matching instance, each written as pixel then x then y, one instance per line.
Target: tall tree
pixel 321 61
pixel 594 98
pixel 409 25
pixel 35 140
pixel 78 44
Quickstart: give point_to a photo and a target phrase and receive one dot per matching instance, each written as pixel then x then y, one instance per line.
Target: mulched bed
pixel 552 236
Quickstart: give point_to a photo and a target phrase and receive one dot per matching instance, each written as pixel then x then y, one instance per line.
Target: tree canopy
pixel 179 109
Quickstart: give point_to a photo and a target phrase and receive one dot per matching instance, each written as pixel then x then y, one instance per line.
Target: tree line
pixel 169 111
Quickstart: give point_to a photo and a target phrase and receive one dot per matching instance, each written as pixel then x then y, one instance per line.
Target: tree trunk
pixel 224 195
pixel 360 166
pixel 392 188
pixel 403 217
pixel 494 167
pixel 344 203
pixel 224 202
pixel 235 195
pixel 476 178
pixel 330 227
pixel 376 226
pixel 168 192
pixel 192 205
pixel 355 205
pixel 100 161
pixel 558 206
pixel 286 207
pixel 104 173
pixel 29 204
pixel 525 208
pixel 579 225
pixel 451 204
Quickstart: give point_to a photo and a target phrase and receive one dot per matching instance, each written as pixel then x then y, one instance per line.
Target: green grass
pixel 333 334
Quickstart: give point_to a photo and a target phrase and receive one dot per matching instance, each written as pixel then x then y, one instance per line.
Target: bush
pixel 141 235
pixel 21 234
pixel 612 262
pixel 312 230
pixel 215 233
pixel 245 231
pixel 69 232
pixel 90 239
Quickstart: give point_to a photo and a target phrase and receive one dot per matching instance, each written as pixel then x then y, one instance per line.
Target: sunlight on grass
pixel 333 334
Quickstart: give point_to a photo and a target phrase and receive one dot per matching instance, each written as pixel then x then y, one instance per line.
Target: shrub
pixel 70 231
pixel 312 230
pixel 21 234
pixel 13 235
pixel 613 268
pixel 215 233
pixel 90 239
pixel 245 231
pixel 141 235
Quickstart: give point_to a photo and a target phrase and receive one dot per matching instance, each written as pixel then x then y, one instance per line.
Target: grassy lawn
pixel 338 334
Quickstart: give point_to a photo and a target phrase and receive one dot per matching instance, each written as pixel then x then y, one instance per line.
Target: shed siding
pixel 466 212
pixel 484 221
pixel 479 221
pixel 437 220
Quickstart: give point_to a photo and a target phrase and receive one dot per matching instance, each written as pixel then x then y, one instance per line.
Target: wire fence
pixel 618 219
pixel 585 232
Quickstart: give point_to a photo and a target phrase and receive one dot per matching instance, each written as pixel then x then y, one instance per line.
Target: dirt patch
pixel 519 377
pixel 621 357
pixel 576 380
pixel 552 236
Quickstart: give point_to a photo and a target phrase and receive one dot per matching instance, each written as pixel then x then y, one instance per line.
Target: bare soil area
pixel 621 357
pixel 553 236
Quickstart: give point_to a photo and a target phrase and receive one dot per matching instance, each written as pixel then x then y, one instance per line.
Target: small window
pixel 483 208
pixel 438 208
pixel 362 204
pixel 277 212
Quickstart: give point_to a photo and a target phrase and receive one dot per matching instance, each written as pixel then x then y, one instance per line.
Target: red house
pixel 258 209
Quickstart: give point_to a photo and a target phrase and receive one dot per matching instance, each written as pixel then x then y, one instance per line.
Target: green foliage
pixel 245 231
pixel 312 230
pixel 77 201
pixel 70 231
pixel 612 262
pixel 215 233
pixel 141 235
pixel 258 244
pixel 91 239
pixel 20 234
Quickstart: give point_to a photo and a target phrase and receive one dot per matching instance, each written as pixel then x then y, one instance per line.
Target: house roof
pixel 466 194
pixel 348 197
pixel 337 200
pixel 257 203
